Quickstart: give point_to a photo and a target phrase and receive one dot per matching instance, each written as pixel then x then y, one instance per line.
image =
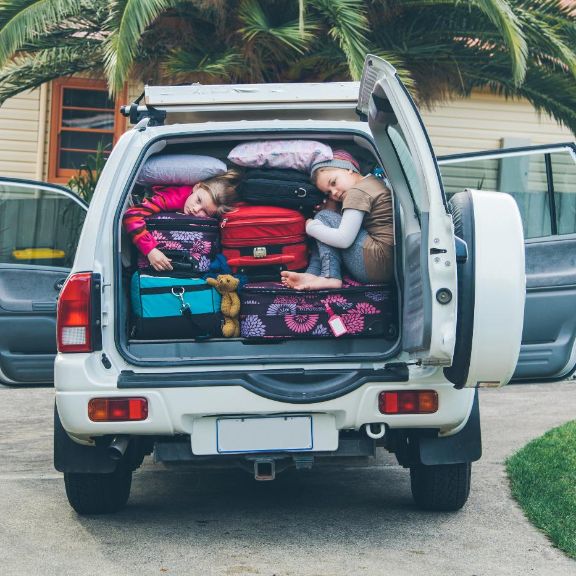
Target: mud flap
pixel 72 457
pixel 466 446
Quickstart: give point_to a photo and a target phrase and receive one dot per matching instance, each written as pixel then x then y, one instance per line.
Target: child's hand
pixel 158 260
pixel 329 204
pixel 320 206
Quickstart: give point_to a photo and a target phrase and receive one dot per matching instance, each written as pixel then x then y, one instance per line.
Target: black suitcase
pixel 287 188
pixel 190 242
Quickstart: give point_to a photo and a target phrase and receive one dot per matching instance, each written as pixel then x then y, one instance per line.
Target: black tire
pixel 98 493
pixel 441 487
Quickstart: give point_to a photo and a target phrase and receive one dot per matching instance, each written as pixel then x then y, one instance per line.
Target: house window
pixel 84 117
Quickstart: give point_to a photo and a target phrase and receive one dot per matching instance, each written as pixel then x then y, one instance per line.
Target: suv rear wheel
pixel 98 493
pixel 441 487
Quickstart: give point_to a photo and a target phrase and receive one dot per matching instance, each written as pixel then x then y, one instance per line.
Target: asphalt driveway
pixel 323 522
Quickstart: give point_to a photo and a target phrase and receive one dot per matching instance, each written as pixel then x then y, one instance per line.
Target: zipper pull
pixel 223 222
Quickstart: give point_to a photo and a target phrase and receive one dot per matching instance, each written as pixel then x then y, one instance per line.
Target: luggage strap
pixel 187 313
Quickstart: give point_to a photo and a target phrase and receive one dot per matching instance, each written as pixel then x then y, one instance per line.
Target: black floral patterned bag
pixel 271 310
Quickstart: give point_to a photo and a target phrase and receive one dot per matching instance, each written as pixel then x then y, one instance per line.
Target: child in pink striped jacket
pixel 208 198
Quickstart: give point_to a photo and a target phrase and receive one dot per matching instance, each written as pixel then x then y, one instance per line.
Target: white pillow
pixel 294 154
pixel 184 169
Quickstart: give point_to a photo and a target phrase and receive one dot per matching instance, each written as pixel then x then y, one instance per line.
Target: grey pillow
pixel 179 169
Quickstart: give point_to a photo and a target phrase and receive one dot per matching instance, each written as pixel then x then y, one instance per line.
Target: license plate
pixel 271 434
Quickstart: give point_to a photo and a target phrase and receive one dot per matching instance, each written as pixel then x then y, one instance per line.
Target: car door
pixel 39 229
pixel 542 180
pixel 429 325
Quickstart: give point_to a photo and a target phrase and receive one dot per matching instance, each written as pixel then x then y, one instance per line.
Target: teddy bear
pixel 226 285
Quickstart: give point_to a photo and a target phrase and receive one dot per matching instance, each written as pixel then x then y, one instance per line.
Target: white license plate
pixel 272 434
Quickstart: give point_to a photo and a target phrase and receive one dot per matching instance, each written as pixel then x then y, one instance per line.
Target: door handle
pixel 59 284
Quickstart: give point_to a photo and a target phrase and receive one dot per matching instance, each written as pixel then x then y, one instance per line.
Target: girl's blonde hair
pixel 222 190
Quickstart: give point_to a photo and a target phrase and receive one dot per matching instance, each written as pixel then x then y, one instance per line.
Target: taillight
pixel 408 402
pixel 117 409
pixel 74 328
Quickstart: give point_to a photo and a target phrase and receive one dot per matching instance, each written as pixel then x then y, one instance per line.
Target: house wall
pixel 482 121
pixel 477 123
pixel 20 135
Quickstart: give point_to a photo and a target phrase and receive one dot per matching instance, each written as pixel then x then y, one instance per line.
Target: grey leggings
pixel 327 260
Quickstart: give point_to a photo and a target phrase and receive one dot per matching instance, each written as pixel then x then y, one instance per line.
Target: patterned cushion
pixel 294 154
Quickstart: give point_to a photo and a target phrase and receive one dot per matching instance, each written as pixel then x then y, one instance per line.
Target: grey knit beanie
pixel 340 159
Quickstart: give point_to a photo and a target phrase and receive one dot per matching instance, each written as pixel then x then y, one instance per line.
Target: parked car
pixel 542 181
pixel 459 293
pixel 39 229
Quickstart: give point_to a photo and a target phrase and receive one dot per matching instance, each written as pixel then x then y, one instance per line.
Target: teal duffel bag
pixel 169 307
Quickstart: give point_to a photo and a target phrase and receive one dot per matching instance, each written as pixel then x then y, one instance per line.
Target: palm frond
pixel 469 14
pixel 22 20
pixel 257 26
pixel 184 65
pixel 507 23
pixel 323 63
pixel 348 26
pixel 551 92
pixel 551 38
pixel 29 71
pixel 547 87
pixel 127 21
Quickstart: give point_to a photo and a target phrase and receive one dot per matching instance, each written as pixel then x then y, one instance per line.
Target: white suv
pixel 460 286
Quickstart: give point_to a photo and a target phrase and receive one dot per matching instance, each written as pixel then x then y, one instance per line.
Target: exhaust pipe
pixel 117 448
pixel 264 469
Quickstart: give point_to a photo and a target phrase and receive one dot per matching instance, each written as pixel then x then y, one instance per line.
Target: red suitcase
pixel 256 236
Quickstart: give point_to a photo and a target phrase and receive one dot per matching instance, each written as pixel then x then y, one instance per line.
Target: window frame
pixel 546 150
pixel 41 186
pixel 63 175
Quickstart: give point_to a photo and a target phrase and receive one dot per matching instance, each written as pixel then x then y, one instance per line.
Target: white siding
pixel 482 121
pixel 134 90
pixel 19 118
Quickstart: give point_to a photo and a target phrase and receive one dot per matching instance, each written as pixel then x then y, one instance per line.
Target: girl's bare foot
pixel 305 281
pixel 322 283
pixel 295 279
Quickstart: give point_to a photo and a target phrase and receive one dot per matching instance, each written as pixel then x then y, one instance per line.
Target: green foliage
pixel 440 48
pixel 88 175
pixel 543 480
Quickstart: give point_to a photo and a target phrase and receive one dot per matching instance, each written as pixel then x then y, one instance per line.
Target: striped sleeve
pixel 165 199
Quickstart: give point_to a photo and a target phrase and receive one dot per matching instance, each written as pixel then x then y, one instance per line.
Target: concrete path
pixel 319 523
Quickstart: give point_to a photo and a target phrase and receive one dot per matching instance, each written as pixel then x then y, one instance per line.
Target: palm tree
pixel 441 48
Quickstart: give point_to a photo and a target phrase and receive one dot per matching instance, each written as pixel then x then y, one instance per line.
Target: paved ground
pixel 322 523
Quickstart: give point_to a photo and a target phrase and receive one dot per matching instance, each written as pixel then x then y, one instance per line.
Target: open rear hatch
pixel 402 149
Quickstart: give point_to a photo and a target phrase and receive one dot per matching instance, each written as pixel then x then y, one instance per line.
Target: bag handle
pixel 189 265
pixel 251 261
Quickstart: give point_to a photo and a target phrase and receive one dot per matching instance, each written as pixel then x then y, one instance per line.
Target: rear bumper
pixel 177 409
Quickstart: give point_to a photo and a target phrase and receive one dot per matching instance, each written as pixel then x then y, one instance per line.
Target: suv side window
pixel 39 226
pixel 541 182
pixel 564 175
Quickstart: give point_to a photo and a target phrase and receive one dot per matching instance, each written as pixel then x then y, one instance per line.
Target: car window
pixel 407 162
pixel 38 225
pixel 564 186
pixel 541 182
